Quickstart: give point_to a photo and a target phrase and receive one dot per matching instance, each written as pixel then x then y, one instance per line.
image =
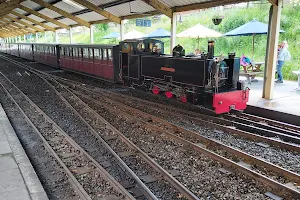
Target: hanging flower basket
pixel 217 19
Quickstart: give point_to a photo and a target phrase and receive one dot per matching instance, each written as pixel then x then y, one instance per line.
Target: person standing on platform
pixel 283 55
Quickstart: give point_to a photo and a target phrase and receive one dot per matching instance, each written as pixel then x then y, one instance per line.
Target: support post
pixel 92 33
pixel 173 32
pixel 24 37
pixel 122 30
pixel 71 35
pixel 56 37
pixel 272 44
pixel 37 37
pixel 45 37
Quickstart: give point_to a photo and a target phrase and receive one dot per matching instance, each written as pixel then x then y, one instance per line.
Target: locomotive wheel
pixel 169 94
pixel 183 98
pixel 155 90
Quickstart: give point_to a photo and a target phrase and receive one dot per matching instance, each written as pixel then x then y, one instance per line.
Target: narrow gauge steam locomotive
pixel 201 80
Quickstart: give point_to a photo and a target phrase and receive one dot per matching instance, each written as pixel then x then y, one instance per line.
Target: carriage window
pixel 67 52
pixel 101 54
pixel 109 51
pixel 75 52
pixel 85 52
pixel 97 54
pixel 91 53
pixel 104 54
pixel 71 52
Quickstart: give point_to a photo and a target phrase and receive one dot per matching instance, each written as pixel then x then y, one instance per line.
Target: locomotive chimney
pixel 211 48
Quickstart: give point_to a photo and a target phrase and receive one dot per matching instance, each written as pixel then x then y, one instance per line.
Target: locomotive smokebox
pixel 211 49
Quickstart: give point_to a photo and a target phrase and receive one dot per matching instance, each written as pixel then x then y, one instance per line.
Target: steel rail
pixel 243 120
pixel 276 186
pixel 213 125
pixel 77 186
pixel 289 128
pixel 99 168
pixel 207 141
pixel 121 163
pixel 188 194
pixel 243 124
pixel 294 139
pixel 270 122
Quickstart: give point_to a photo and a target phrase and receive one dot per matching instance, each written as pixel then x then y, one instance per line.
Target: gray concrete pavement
pixel 18 180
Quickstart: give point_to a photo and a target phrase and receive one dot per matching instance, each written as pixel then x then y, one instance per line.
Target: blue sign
pixel 143 22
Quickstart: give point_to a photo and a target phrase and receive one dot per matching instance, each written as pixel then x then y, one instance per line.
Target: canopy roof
pixel 199 31
pixel 159 33
pixel 112 35
pixel 250 28
pixel 133 35
pixel 19 17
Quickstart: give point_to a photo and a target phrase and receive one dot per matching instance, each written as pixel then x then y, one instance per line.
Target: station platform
pixel 286 97
pixel 18 180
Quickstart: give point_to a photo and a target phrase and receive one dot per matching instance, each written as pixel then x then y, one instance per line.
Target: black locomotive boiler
pixel 201 80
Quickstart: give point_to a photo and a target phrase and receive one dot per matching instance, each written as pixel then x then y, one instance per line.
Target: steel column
pixel 92 34
pixel 71 35
pixel 122 30
pixel 173 32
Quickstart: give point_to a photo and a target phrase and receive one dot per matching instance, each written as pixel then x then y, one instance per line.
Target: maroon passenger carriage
pixel 96 60
pixel 26 51
pixel 46 54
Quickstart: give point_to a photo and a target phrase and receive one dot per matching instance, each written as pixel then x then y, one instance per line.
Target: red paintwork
pixel 183 99
pixel 169 94
pixel 100 68
pixel 155 90
pixel 223 101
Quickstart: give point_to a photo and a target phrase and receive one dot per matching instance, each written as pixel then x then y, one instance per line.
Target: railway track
pixel 83 171
pixel 193 140
pixel 257 145
pixel 287 139
pixel 125 148
pixel 166 126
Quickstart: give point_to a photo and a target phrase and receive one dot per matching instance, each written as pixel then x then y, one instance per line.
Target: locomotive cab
pixel 130 56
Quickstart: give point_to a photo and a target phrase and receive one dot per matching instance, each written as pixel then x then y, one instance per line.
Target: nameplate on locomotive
pixel 167 69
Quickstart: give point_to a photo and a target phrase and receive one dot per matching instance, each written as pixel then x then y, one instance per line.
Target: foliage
pixel 233 18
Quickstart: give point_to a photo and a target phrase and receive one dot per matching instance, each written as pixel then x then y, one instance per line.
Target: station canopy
pixel 19 17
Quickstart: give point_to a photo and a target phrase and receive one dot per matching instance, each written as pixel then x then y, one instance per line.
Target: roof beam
pixel 10 4
pixel 9 33
pixel 274 2
pixel 49 28
pixel 63 13
pixel 160 7
pixel 46 18
pixel 11 26
pixel 24 23
pixel 6 21
pixel 205 5
pixel 134 16
pixel 14 29
pixel 100 11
